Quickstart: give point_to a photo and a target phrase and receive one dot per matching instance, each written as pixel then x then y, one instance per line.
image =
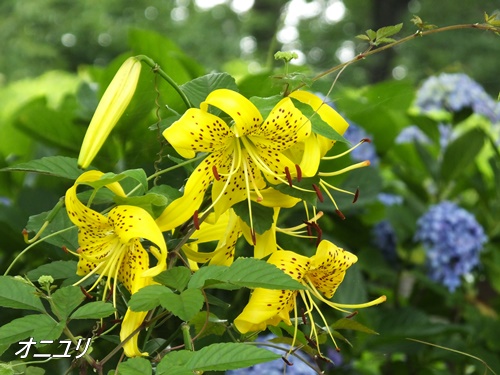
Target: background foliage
pixel 59 56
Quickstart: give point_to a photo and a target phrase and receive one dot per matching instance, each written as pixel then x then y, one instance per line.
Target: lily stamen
pixel 346 152
pixel 362 164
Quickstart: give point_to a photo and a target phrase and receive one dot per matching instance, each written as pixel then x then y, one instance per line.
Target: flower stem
pixel 166 77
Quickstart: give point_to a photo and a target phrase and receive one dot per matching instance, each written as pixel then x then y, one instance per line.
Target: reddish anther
pixel 319 232
pixel 215 172
pixel 356 196
pixel 87 294
pixel 287 361
pixel 288 176
pixel 254 239
pixel 366 140
pixel 299 172
pixel 311 342
pixel 340 214
pixel 318 193
pixel 354 313
pixel 196 220
pixel 65 249
pixel 304 318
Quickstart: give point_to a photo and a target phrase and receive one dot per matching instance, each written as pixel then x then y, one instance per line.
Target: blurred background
pixel 429 106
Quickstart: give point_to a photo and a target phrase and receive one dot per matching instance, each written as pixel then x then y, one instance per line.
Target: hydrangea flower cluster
pixel 356 133
pixel 412 134
pixel 275 367
pixel 454 92
pixel 453 240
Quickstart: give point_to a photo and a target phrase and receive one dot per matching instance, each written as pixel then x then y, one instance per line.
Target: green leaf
pixel 363 37
pixel 20 328
pixel 266 105
pixel 147 298
pixel 215 357
pixel 135 366
pixel 262 216
pixel 308 196
pixel 93 310
pixel 198 89
pixel 200 277
pixel 387 31
pixel 60 224
pixel 60 269
pixel 185 305
pixel 17 294
pixel 318 125
pixel 137 174
pixel 151 202
pixel 65 300
pixel 256 273
pixel 175 278
pixel 352 324
pixel 461 153
pixel 48 329
pixel 57 166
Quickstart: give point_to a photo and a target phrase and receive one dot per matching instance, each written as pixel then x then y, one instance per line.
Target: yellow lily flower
pixel 111 246
pixel 321 274
pixel 242 155
pixel 113 103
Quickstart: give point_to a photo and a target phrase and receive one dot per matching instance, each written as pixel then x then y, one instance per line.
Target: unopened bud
pixel 113 103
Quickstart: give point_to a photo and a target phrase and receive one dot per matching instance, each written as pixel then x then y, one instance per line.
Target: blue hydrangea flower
pixel 276 367
pixel 388 199
pixel 412 134
pixel 453 240
pixel 454 92
pixel 366 151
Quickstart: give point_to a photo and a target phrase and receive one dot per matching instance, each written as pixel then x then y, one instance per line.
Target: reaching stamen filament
pixel 323 183
pixel 301 226
pixel 362 164
pixel 346 152
pixel 247 185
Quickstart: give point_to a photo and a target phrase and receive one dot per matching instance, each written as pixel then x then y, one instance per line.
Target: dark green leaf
pixel 135 366
pixel 60 269
pixel 93 310
pixel 20 328
pixel 352 324
pixel 185 305
pixel 266 105
pixel 461 153
pixel 175 278
pixel 48 329
pixel 200 277
pixel 137 174
pixel 57 166
pixel 318 125
pixel 255 273
pixel 17 294
pixel 308 196
pixel 148 298
pixel 262 216
pixel 67 231
pixel 65 300
pixel 198 89
pixel 215 357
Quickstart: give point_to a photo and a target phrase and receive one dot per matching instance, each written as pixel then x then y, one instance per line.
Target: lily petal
pixel 245 114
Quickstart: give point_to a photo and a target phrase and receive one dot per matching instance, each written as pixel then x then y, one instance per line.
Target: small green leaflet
pixel 93 310
pixel 262 216
pixel 135 366
pixel 57 166
pixel 198 89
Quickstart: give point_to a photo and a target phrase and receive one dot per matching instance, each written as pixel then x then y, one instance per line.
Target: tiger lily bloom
pixel 110 246
pixel 321 274
pixel 243 155
pixel 111 107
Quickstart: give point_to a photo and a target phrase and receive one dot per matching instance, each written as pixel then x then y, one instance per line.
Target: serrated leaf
pixel 148 298
pixel 65 300
pixel 48 329
pixel 216 357
pixel 184 305
pixel 262 216
pixel 175 278
pixel 198 89
pixel 20 328
pixel 57 166
pixel 256 273
pixel 60 269
pixel 200 277
pixel 93 310
pixel 352 324
pixel 135 366
pixel 371 34
pixel 17 294
pixel 460 153
pixel 387 31
pixel 385 41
